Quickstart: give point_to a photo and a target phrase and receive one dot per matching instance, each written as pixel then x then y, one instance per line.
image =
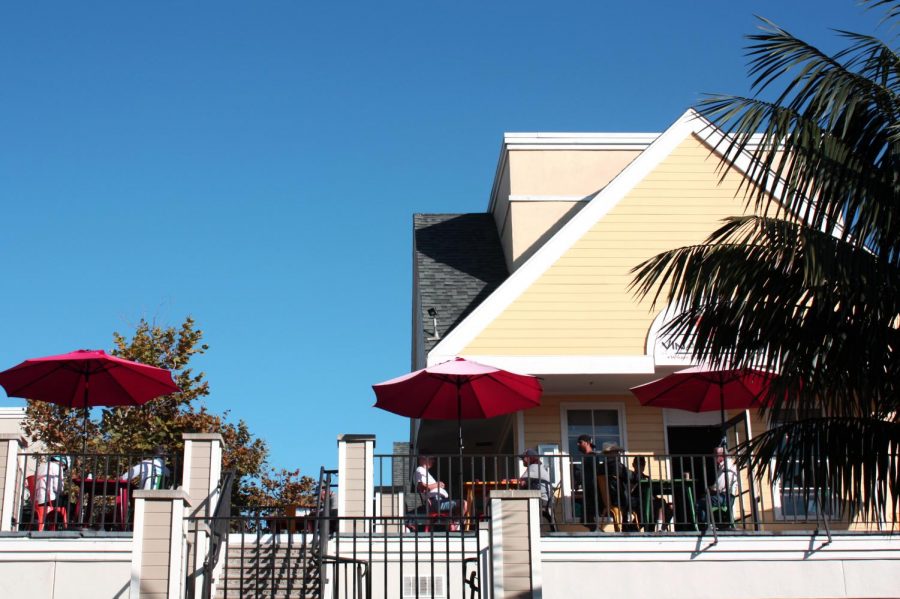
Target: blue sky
pixel 257 165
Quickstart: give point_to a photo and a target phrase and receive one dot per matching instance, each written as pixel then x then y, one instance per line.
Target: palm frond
pixel 850 463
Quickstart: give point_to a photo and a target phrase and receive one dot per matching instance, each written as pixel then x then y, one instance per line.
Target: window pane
pixel 602 425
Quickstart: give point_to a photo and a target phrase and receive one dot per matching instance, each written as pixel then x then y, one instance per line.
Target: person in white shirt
pixel 150 471
pixel 536 476
pixel 435 491
pixel 48 481
pixel 723 491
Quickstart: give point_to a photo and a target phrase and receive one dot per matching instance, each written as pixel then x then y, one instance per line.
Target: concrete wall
pixel 64 568
pixel 11 420
pixel 736 567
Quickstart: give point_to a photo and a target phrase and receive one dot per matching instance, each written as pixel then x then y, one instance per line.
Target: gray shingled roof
pixel 460 262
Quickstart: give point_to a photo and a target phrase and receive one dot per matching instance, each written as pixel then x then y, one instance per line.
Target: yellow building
pixel 539 284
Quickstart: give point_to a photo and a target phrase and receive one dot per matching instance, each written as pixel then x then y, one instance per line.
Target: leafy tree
pixel 808 286
pixel 162 421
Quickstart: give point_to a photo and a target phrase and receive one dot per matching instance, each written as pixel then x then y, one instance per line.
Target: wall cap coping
pixel 14 437
pixel 203 437
pixel 514 494
pixel 164 494
pixel 355 438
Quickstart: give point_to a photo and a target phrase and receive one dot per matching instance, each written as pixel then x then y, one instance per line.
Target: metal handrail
pixel 218 529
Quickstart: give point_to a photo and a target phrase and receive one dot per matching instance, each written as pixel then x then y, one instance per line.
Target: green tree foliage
pixel 809 286
pixel 162 421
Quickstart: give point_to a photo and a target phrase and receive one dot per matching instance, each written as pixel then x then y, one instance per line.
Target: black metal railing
pixel 87 491
pixel 352 558
pixel 626 492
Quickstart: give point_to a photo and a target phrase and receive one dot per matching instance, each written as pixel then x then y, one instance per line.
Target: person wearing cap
pixel 589 470
pixel 536 477
pixel 617 477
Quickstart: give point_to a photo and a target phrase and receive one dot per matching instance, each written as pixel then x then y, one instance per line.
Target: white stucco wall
pixel 736 567
pixel 65 568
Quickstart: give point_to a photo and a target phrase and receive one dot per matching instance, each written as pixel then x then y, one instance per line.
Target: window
pixel 550 449
pixel 603 421
pixel 793 498
pixel 600 423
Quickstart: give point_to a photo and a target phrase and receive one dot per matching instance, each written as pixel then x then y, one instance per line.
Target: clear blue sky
pixel 257 165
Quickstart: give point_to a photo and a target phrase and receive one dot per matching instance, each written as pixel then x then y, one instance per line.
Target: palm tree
pixel 808 286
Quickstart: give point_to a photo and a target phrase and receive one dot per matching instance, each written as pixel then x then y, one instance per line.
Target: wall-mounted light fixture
pixel 435 334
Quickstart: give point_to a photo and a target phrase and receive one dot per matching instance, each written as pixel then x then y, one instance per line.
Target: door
pixel 735 432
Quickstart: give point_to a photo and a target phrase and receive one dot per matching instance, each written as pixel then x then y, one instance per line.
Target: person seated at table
pixel 434 491
pixel 536 477
pixel 662 509
pixel 722 492
pixel 49 481
pixel 150 471
pixel 618 481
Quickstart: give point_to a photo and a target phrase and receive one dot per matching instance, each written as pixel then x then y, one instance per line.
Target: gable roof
pixel 690 123
pixel 459 262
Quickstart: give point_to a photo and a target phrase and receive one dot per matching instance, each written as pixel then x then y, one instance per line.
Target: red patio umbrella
pixel 87 378
pixel 458 389
pixel 704 390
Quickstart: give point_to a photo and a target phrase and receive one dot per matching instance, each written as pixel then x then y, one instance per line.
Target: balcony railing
pixel 87 491
pixel 625 492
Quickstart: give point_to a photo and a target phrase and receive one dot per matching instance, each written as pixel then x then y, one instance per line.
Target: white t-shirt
pixel 424 477
pixel 48 482
pixel 151 472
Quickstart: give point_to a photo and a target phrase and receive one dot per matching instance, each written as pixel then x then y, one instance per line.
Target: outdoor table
pixel 481 488
pixel 89 488
pixel 681 489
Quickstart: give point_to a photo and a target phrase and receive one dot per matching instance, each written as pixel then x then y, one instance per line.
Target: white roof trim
pixel 549 140
pixel 544 365
pixel 689 123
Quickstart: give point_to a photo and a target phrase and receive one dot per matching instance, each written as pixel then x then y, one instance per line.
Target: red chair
pixel 43 510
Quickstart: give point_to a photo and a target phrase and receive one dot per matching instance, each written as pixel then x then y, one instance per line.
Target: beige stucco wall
pixel 524 224
pixel 535 223
pixel 65 568
pixel 581 305
pixel 565 172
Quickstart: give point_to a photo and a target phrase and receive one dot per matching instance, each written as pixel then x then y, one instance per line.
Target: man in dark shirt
pixel 589 471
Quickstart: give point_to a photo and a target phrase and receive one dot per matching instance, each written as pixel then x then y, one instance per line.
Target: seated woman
pixel 536 477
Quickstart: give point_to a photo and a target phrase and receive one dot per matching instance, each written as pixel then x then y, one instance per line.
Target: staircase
pixel 276 570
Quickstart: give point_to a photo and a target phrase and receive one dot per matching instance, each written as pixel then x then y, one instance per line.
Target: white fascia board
pixel 455 341
pixel 549 140
pixel 543 365
pixel 550 198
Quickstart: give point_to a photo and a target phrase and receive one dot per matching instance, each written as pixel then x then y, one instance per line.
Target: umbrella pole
pixel 461 490
pixel 722 411
pixel 87 383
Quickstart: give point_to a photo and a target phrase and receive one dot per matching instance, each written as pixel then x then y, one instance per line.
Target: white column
pixel 516 544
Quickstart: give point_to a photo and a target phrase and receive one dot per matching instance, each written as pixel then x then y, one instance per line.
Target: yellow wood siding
pixel 643 426
pixel 581 304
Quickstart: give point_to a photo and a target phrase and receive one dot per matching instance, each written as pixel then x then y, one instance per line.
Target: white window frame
pixel 566 461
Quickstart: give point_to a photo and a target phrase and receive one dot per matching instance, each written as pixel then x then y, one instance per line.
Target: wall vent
pixel 425 586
